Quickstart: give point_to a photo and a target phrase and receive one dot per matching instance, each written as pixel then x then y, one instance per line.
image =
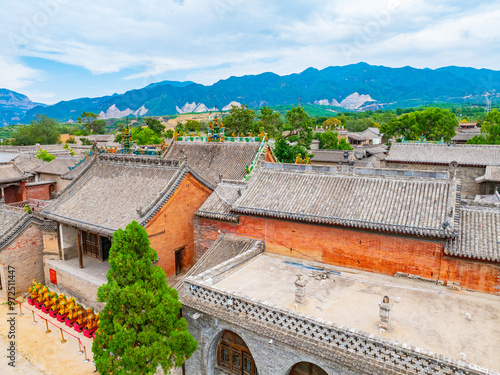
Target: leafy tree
pixel 91 123
pixel 432 123
pixel 42 130
pixel 331 123
pixel 299 126
pixel 192 125
pixel 155 125
pixel 66 147
pixel 287 153
pixel 44 155
pixel 359 125
pixel 88 142
pixel 328 140
pixel 490 130
pixel 139 327
pixel 169 133
pixel 240 120
pixel 71 140
pixel 145 136
pixel 269 121
pixel 99 126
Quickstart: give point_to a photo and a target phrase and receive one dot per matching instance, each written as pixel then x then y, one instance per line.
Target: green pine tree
pixel 139 327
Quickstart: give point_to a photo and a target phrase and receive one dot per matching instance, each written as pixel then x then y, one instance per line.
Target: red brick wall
pixel 471 274
pixel 369 251
pixel 14 193
pixel 172 227
pixel 25 254
pixel 39 191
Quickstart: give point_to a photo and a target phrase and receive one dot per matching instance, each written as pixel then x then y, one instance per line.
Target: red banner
pixel 53 276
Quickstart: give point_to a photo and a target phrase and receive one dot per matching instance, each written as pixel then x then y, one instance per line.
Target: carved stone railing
pixel 310 328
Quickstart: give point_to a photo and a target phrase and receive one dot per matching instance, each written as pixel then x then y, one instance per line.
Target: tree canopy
pixel 331 123
pixel 328 140
pixel 44 155
pixel 240 120
pixel 145 136
pixel 139 327
pixel 299 127
pixel 269 120
pixel 490 130
pixel 432 123
pixel 155 125
pixel 43 130
pixel 91 123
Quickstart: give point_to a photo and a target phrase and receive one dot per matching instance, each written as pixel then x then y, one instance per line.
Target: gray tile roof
pixel 218 204
pixel 28 162
pixel 225 247
pixel 412 206
pixel 9 173
pixel 11 223
pixel 464 137
pixel 114 191
pixel 329 156
pixel 79 169
pixel 213 159
pixel 5 157
pixel 492 174
pixel 479 234
pixel 474 155
pixel 58 166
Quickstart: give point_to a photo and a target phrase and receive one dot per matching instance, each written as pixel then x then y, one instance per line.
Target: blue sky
pixel 54 50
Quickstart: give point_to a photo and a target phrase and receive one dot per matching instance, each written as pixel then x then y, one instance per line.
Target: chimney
pixel 300 289
pixel 385 313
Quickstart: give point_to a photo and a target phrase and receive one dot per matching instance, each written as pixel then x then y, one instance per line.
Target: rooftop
pixel 218 204
pixel 10 173
pixel 423 314
pixel 367 199
pixel 114 191
pixel 472 155
pixel 214 161
pixel 58 166
pixel 28 162
pixel 11 222
pixel 479 234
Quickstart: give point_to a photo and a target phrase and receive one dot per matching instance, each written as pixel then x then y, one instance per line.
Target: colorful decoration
pixel 33 291
pixel 299 160
pixel 215 131
pixel 422 139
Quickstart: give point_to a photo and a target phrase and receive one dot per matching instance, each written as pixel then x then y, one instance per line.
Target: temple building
pixel 379 220
pixel 471 162
pixel 253 311
pixel 56 168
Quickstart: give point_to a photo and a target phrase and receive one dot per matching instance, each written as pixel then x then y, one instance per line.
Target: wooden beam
pixel 59 243
pixel 80 253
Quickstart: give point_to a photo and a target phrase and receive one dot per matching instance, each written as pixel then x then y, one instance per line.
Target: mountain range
pixel 352 87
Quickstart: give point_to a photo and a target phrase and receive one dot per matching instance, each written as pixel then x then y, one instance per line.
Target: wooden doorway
pixel 179 259
pixel 90 244
pixel 307 368
pixel 234 356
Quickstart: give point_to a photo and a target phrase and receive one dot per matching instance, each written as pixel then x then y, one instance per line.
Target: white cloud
pixel 206 40
pixel 16 76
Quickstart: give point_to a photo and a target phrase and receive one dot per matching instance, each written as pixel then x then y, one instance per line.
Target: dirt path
pixel 38 352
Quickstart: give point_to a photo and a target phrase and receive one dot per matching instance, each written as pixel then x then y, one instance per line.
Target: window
pixel 234 356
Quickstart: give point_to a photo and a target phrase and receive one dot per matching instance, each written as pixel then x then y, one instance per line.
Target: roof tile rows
pixel 479 235
pixel 11 222
pixel 473 155
pixel 412 206
pixel 112 193
pixel 225 247
pixel 9 173
pixel 58 166
pixel 218 204
pixel 214 161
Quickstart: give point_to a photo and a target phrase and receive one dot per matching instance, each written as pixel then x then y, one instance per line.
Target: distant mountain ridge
pixel 354 87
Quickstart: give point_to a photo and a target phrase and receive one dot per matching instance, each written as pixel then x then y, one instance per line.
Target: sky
pixel 53 50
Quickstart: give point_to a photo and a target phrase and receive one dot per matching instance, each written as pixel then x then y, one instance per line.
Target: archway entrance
pixel 234 356
pixel 306 368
